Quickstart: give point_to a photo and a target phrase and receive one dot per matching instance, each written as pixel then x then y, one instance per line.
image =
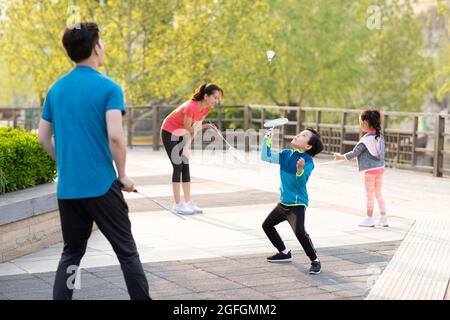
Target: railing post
pixel 384 125
pixel 247 120
pixel 219 117
pixel 155 127
pixel 344 122
pixel 130 127
pixel 263 117
pixel 15 117
pixel 298 126
pixel 246 117
pixel 438 160
pixel 318 119
pixel 283 131
pixel 414 139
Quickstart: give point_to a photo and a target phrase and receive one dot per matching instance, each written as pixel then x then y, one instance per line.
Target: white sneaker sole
pixel 280 261
pixel 198 210
pixel 312 272
pixel 184 213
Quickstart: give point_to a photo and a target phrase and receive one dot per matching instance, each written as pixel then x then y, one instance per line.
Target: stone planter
pixel 29 221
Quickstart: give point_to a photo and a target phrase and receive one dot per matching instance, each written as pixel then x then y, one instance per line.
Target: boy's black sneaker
pixel 280 257
pixel 315 267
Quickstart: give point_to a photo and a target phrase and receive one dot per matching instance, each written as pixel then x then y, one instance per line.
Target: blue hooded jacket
pixel 293 190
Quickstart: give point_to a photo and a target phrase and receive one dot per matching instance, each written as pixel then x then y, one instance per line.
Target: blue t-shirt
pixel 76 106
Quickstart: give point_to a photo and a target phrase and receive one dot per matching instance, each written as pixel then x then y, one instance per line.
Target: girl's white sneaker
pixel 383 221
pixel 191 205
pixel 367 222
pixel 181 208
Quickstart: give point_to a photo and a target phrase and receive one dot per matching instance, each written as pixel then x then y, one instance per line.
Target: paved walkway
pixel 420 269
pixel 221 253
pixel 349 272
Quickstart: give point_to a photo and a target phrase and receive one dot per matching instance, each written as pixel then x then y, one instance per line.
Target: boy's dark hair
pixel 373 118
pixel 315 143
pixel 80 39
pixel 206 88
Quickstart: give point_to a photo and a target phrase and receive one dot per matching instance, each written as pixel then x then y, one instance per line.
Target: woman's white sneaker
pixel 383 222
pixel 191 205
pixel 182 208
pixel 367 222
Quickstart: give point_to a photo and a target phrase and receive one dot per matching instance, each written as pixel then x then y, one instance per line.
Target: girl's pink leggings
pixel 373 187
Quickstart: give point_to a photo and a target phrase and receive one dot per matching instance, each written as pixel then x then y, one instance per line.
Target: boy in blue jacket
pixel 296 165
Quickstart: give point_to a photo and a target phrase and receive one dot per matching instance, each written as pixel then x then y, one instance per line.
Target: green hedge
pixel 23 162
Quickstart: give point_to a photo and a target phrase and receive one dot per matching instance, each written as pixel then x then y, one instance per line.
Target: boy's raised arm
pixel 266 153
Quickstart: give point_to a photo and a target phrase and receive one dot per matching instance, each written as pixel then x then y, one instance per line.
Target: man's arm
pixel 118 146
pixel 46 137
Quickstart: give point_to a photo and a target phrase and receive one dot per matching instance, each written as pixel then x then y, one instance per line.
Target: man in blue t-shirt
pixel 81 128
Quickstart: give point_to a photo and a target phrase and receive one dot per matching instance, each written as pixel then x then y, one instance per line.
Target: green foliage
pixel 2 182
pixel 23 163
pixel 159 51
pixel 328 56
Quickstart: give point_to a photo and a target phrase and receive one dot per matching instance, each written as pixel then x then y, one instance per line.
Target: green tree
pixel 438 83
pixel 223 42
pixel 397 66
pixel 328 55
pixel 158 51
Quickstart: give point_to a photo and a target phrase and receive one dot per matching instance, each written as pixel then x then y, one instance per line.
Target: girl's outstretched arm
pixel 360 147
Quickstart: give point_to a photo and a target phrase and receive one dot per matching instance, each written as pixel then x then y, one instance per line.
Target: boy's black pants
pixel 296 217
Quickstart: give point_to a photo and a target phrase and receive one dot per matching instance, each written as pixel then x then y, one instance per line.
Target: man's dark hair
pixel 315 143
pixel 80 39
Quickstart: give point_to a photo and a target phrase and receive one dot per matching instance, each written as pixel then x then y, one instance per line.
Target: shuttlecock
pixel 270 55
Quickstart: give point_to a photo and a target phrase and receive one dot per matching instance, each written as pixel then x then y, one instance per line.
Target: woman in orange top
pixel 178 130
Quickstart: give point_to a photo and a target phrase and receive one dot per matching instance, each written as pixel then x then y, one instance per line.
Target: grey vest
pixel 369 153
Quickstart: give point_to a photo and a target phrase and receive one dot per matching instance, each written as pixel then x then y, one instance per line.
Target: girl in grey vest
pixel 369 153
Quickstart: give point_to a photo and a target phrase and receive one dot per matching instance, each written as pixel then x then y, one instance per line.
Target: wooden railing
pixel 339 129
pixel 27 118
pixel 406 147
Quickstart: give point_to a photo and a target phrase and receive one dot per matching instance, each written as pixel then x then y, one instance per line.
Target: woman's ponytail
pixel 206 88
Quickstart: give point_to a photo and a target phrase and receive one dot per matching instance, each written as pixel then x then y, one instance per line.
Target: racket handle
pixel 269 132
pixel 121 186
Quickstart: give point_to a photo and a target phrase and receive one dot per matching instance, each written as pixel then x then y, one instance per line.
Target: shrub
pixel 23 162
